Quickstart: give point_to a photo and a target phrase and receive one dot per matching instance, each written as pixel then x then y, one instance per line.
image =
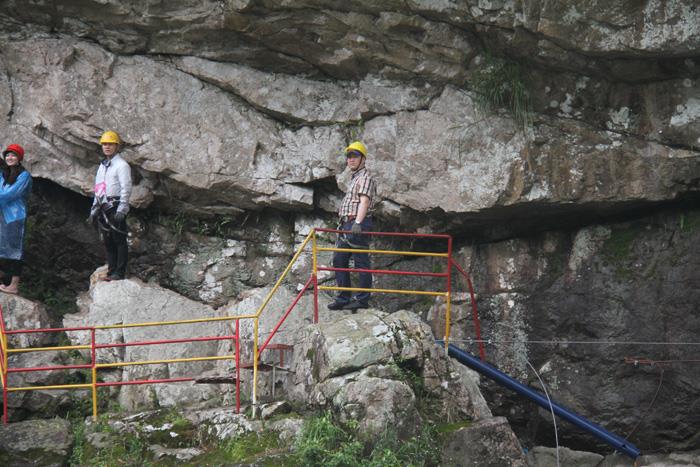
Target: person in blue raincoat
pixel 15 187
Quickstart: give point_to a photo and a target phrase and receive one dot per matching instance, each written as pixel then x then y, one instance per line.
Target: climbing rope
pixel 651 404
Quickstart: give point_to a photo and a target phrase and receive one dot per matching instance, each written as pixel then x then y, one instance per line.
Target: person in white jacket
pixel 111 205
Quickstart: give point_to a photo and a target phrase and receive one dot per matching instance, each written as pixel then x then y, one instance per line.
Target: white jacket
pixel 113 179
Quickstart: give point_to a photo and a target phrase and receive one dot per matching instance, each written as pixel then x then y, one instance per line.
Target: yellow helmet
pixel 357 146
pixel 110 137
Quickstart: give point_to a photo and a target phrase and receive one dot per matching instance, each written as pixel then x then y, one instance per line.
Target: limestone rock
pixel 540 456
pixel 287 428
pixel 36 442
pixel 276 408
pixel 21 313
pixel 418 145
pixel 221 424
pixel 44 403
pixel 180 454
pixel 487 442
pixel 689 458
pixel 364 365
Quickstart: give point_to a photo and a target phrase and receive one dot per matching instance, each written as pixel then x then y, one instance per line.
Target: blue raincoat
pixel 13 207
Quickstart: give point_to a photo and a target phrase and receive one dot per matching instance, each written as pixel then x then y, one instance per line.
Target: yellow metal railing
pixel 255 317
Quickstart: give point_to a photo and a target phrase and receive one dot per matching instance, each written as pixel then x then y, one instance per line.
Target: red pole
pixel 475 312
pixel 289 310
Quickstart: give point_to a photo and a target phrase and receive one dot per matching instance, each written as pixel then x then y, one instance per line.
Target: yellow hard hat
pixel 110 137
pixel 357 146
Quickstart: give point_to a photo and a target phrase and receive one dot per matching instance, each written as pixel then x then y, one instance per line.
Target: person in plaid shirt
pixel 355 216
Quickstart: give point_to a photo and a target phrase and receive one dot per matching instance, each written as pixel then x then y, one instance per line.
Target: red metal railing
pixel 313 280
pixel 93 347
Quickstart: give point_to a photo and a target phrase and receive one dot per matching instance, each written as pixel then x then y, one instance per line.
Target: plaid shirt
pixel 360 184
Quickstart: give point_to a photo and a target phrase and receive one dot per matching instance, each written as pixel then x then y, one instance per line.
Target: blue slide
pixel 467 359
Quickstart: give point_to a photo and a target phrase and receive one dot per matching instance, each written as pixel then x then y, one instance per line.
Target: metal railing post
pixel 238 367
pixel 448 311
pixel 5 382
pixel 314 273
pixel 93 372
pixel 255 361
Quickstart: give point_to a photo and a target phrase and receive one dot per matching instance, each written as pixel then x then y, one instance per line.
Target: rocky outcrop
pixel 487 442
pixel 381 370
pixel 22 314
pixel 274 140
pixel 606 316
pixel 36 442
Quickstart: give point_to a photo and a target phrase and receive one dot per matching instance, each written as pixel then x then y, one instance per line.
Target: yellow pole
pixel 255 361
pixel 53 387
pixel 49 349
pixel 284 273
pixel 94 393
pixel 314 274
pixel 4 350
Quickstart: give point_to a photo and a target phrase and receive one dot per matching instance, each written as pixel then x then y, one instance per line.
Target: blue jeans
pixel 341 259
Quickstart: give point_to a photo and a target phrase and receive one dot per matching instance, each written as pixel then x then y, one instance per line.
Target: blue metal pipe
pixel 503 379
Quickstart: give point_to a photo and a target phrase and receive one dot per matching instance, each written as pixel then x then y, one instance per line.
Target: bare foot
pixel 8 289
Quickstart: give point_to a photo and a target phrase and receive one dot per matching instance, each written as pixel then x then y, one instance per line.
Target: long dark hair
pixel 10 173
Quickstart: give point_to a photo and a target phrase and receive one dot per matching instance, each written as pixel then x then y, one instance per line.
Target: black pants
pixel 116 246
pixel 361 260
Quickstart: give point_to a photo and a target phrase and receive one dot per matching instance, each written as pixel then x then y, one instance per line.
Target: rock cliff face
pixel 580 225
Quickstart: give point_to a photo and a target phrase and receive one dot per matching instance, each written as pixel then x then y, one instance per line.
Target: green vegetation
pixel 58 299
pixel 328 443
pixel 447 428
pixel 619 246
pixel 180 222
pixel 120 449
pixel 689 221
pixel 250 446
pixel 500 84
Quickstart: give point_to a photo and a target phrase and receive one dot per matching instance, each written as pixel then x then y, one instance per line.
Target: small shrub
pixel 500 84
pixel 326 443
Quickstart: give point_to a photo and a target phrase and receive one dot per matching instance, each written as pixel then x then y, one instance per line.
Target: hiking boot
pixel 337 305
pixel 355 305
pixel 113 277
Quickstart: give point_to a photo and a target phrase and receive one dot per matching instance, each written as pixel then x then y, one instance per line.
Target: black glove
pixel 119 216
pixel 356 228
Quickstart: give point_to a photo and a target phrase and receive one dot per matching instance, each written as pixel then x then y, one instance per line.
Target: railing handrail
pixel 312 281
pixel 389 234
pixel 94 366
